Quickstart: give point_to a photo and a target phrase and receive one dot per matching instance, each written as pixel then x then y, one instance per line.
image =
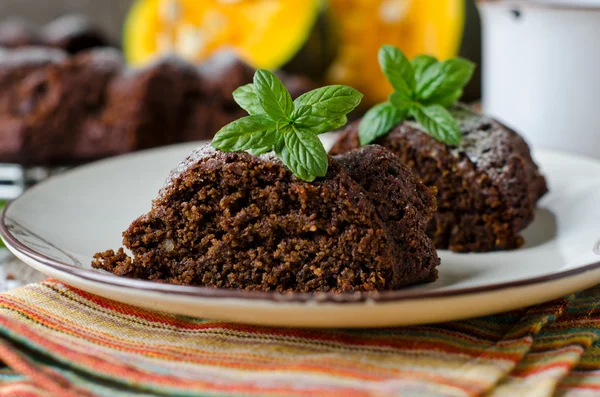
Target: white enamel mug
pixel 541 70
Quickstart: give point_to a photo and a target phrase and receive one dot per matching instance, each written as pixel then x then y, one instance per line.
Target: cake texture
pixel 58 109
pixel 487 187
pixel 234 220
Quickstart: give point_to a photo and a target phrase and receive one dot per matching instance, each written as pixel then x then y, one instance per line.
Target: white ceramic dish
pixel 58 225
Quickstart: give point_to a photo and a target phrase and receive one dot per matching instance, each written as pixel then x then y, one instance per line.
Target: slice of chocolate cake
pixel 234 220
pixel 487 187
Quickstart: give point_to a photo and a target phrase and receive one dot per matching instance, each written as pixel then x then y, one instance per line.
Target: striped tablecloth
pixel 56 340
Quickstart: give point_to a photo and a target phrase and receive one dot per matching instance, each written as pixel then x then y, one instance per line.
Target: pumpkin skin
pixel 431 27
pixel 333 42
pixel 265 34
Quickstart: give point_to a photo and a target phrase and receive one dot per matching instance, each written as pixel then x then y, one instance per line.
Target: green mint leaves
pixel 289 128
pixel 423 89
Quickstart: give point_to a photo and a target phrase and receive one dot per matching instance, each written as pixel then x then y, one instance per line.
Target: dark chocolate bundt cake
pixel 234 220
pixel 487 188
pixel 57 109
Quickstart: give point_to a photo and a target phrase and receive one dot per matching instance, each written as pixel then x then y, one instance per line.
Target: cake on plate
pixel 487 186
pixel 236 220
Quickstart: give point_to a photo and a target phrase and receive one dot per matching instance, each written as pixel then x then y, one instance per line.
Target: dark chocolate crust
pixel 487 187
pixel 233 220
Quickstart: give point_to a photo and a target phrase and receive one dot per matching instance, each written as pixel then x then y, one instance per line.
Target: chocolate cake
pixel 47 99
pixel 234 220
pixel 487 188
pixel 57 109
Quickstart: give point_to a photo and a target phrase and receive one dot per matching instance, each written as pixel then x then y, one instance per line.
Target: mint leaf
pixel 288 128
pixel 313 119
pixel 445 101
pixel 274 98
pixel 400 100
pixel 304 155
pixel 378 121
pixel 284 126
pixel 328 125
pixel 327 108
pixel 443 79
pixel 247 98
pixel 423 89
pixel 297 168
pixel 300 113
pixel 256 131
pixel 397 69
pixel 279 145
pixel 420 63
pixel 320 124
pixel 271 148
pixel 333 99
pixel 262 150
pixel 438 122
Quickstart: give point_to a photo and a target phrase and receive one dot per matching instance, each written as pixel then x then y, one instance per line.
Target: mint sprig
pixel 289 128
pixel 423 90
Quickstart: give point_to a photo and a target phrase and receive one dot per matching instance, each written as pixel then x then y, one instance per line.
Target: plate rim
pixel 272 296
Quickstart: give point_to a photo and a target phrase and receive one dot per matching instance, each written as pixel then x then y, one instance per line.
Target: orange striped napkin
pixel 57 340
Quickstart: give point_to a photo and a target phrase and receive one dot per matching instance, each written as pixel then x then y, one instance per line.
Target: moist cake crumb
pixel 234 220
pixel 487 187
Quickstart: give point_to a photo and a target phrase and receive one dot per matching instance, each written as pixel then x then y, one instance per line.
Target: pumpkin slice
pixel 416 26
pixel 264 33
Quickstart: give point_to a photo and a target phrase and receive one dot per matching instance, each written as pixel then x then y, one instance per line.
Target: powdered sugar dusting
pixel 32 56
pixel 270 158
pixel 198 154
pixel 218 65
pixel 67 25
pixel 104 58
pixel 205 153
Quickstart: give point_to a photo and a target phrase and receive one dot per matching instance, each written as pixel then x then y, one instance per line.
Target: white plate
pixel 57 226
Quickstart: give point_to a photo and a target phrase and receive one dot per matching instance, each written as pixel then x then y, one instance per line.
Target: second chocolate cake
pixel 57 109
pixel 487 187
